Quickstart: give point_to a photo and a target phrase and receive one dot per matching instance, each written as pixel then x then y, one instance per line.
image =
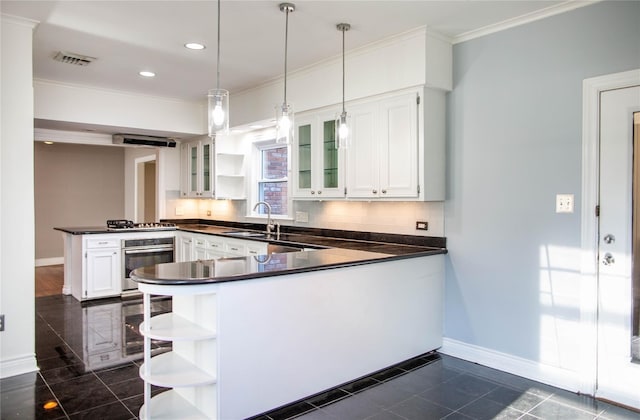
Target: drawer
pixel 236 248
pixel 215 245
pixel 103 243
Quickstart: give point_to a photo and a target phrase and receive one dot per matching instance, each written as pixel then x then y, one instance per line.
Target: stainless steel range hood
pixel 136 139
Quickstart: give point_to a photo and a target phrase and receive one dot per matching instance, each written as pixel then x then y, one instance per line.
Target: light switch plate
pixel 564 203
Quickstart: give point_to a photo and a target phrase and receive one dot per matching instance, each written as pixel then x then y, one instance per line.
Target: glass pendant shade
pixel 218 111
pixel 284 123
pixel 342 134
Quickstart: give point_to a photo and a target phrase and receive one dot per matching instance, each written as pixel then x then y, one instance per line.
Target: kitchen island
pixel 254 333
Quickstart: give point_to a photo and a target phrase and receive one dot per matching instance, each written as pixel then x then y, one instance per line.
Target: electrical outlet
pixel 422 225
pixel 208 212
pixel 2 322
pixel 302 216
pixel 564 203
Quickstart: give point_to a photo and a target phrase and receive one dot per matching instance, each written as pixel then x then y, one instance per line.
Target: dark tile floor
pixel 89 359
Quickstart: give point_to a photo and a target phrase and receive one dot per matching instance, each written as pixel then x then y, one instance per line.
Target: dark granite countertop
pixel 94 230
pixel 245 268
pixel 334 252
pixel 308 240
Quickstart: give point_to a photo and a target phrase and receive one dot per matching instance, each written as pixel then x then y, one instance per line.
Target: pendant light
pixel 342 119
pixel 218 99
pixel 284 112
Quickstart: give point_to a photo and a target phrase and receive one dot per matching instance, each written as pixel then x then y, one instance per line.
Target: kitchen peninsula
pixel 283 326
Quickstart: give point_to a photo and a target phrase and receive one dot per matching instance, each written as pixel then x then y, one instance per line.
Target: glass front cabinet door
pixel 197 162
pixel 318 165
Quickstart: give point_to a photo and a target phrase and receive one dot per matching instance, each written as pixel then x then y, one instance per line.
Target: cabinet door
pixel 185 248
pixel 199 248
pixel 318 165
pixel 103 273
pixel 302 162
pixel 192 170
pixel 330 163
pixel 207 188
pixel 398 147
pixel 362 154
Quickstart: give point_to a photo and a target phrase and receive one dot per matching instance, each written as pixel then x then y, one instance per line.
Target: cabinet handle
pixel 234 249
pixel 319 192
pixel 384 191
pixel 312 192
pixel 375 191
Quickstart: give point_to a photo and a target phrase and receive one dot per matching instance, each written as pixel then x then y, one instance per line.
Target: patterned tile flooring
pixel 89 369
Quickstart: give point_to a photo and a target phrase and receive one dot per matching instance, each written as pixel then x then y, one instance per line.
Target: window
pixel 271 183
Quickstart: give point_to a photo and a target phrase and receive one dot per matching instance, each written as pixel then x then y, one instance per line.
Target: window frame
pixel 262 142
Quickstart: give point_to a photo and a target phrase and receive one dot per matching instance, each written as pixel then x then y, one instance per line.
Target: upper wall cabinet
pixel 318 167
pixel 213 170
pixel 197 162
pixel 397 150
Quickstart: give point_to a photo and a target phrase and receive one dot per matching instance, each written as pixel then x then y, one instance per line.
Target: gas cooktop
pixel 128 224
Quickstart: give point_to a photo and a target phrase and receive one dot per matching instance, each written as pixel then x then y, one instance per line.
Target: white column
pixel 17 246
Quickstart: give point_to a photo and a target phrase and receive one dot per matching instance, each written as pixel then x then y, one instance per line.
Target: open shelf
pixel 172 327
pixel 171 370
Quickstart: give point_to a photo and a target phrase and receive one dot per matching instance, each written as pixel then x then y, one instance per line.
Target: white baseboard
pixel 551 375
pixel 18 366
pixel 41 262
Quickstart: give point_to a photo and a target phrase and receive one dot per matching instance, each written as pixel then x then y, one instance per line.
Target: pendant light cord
pixel 343 110
pixel 286 41
pixel 218 59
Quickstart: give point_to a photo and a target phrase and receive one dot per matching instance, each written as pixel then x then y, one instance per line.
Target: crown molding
pixel 523 20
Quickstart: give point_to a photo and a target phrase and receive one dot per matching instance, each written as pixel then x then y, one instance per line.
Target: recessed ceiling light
pixel 147 74
pixel 194 46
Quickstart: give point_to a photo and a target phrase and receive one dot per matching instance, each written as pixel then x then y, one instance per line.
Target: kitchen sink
pixel 246 233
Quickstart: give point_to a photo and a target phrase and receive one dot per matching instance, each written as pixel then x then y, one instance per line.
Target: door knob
pixel 609 239
pixel 608 259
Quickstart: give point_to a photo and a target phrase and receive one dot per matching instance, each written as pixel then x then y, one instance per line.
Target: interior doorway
pixel 610 370
pixel 146 175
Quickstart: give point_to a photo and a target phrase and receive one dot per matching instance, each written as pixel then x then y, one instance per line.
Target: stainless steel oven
pixel 141 253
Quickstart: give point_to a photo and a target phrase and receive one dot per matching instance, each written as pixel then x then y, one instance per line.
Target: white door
pixel 618 374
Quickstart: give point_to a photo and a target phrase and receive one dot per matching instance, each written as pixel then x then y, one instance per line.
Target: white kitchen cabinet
pixel 397 147
pixel 103 275
pixel 383 154
pixel 318 167
pixel 185 249
pixel 201 246
pixel 197 159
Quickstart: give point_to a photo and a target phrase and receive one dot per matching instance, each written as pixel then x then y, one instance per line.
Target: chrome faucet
pixel 269 221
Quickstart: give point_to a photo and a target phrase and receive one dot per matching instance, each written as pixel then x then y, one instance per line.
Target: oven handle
pixel 147 250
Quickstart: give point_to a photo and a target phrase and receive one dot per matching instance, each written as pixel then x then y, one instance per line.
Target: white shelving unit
pixel 191 368
pixel 230 175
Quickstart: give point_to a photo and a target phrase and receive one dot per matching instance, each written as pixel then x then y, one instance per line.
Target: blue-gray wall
pixel 514 142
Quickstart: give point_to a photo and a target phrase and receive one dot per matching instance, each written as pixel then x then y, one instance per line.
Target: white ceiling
pixel 129 36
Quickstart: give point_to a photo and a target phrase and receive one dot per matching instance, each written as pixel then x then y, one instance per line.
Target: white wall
pixel 131 112
pixel 514 142
pixel 415 58
pixel 17 244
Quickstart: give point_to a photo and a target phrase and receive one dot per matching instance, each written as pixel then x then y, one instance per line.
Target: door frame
pixel 591 90
pixel 136 178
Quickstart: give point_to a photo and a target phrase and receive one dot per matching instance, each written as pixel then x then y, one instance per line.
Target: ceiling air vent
pixel 72 58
